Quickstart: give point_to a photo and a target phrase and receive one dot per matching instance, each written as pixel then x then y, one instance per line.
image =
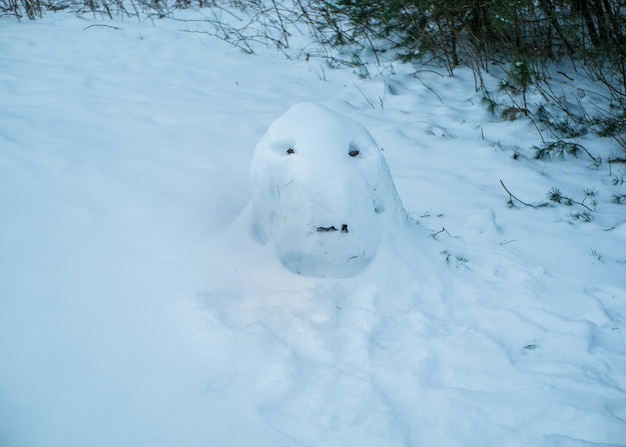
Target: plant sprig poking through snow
pixel 558 149
pixel 555 196
pixel 618 199
pixel 459 261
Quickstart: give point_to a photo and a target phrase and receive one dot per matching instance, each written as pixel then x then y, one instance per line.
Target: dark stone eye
pixel 290 151
pixel 353 152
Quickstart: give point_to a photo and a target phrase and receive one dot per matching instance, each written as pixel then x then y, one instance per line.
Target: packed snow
pixel 163 280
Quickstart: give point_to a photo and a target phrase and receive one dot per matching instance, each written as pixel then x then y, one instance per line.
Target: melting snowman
pixel 322 193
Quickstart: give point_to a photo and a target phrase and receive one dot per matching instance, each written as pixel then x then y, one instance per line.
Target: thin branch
pixel 100 24
pixel 511 196
pixel 443 230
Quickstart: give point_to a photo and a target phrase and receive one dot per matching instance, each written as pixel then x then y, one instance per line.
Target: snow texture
pixel 139 308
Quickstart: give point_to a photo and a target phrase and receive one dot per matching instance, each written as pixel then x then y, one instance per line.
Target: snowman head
pixel 322 193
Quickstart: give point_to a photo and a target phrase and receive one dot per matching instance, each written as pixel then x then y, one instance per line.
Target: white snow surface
pixel 139 308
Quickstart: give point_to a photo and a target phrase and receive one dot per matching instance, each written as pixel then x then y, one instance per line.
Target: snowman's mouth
pixel 343 228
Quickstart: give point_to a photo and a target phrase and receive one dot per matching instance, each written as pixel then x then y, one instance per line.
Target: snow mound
pixel 322 192
pixel 482 222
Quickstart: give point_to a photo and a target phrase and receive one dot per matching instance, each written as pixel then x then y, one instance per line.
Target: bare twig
pixel 511 196
pixel 100 24
pixel 443 230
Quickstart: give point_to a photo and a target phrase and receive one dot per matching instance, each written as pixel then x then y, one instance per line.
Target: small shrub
pixel 556 150
pixel 618 199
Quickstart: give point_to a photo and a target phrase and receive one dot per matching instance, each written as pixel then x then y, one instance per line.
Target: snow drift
pixel 137 309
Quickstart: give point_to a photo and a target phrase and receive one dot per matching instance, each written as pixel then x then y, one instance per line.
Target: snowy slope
pixel 138 308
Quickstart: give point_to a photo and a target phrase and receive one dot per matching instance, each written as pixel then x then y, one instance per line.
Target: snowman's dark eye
pixel 290 151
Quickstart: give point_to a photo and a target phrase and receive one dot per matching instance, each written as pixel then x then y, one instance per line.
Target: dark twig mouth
pixel 344 229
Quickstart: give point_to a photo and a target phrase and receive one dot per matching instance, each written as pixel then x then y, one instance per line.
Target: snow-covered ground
pixel 138 306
